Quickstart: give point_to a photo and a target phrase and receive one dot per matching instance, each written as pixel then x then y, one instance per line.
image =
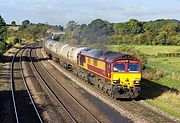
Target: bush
pixel 168 54
pixel 2 47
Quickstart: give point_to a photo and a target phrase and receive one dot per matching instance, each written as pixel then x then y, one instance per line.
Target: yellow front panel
pixel 126 79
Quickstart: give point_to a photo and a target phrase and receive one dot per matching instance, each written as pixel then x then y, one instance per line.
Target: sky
pixel 60 12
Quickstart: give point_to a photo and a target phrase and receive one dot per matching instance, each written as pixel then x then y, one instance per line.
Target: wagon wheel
pixel 112 96
pixel 103 89
pixel 109 92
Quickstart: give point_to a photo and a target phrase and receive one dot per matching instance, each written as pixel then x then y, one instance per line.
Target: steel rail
pixel 28 91
pixel 69 94
pixel 12 85
pixel 25 83
pixel 50 90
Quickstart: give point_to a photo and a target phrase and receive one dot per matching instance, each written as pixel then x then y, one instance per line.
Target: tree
pixel 13 23
pixel 71 25
pixel 3 29
pixel 171 28
pixel 162 38
pixel 99 27
pixel 134 27
pixel 25 23
pixel 61 28
pixel 2 47
pixel 119 28
pixel 97 32
pixel 3 34
pixel 164 32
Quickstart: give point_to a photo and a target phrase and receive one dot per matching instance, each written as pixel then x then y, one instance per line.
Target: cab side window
pixel 82 60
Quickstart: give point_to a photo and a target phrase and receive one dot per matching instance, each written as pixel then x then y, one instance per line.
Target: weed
pixel 168 102
pixel 39 94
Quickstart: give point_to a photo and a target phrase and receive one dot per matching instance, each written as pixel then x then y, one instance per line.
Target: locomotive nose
pixel 127 80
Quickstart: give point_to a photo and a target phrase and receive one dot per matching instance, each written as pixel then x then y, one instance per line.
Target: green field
pixel 153 50
pixel 149 49
pixel 159 91
pixel 171 64
pixel 170 68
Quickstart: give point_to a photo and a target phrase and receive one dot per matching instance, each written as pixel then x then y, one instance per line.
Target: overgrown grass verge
pixel 162 88
pixel 161 96
pixel 167 102
pixel 172 83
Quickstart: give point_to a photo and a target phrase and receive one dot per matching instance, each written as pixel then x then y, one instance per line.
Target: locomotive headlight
pixel 136 81
pixel 116 81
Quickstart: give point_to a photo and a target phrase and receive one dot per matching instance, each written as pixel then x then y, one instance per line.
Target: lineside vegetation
pixel 158 32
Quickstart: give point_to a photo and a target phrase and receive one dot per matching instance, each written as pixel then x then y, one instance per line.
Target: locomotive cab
pixel 126 76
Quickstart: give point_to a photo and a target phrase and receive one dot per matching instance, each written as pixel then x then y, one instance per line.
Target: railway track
pixel 24 107
pixel 133 107
pixel 57 90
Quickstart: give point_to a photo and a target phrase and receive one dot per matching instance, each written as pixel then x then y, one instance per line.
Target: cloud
pixel 84 11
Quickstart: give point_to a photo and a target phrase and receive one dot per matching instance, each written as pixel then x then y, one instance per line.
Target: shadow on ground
pixel 24 107
pixel 8 59
pixel 151 90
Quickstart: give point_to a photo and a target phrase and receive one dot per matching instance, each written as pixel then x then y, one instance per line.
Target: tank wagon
pixel 115 73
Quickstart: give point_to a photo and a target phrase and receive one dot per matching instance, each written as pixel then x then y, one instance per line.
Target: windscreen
pixel 133 67
pixel 119 67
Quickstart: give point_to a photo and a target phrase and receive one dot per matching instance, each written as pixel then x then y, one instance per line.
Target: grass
pixel 154 50
pixel 171 64
pixel 171 83
pixel 15 28
pixel 18 45
pixel 168 102
pixel 149 49
pixel 39 94
pixel 161 96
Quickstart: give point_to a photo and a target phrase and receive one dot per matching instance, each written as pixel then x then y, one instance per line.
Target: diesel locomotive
pixel 116 74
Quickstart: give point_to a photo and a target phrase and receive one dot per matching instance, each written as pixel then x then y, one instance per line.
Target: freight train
pixel 116 74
